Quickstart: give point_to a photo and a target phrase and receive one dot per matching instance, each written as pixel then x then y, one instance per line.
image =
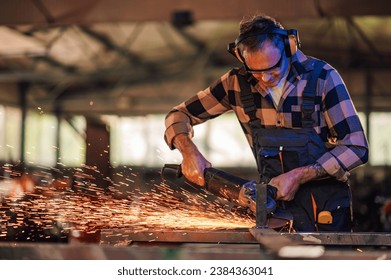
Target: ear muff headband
pixel 290 37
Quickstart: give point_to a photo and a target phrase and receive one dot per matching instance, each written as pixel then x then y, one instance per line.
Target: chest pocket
pixel 280 150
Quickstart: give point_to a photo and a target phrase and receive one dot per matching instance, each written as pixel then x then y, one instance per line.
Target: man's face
pixel 268 64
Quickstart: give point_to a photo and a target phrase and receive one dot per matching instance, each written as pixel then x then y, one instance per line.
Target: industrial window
pixel 139 141
pixel 72 142
pixel 380 141
pixel 10 135
pixel 40 141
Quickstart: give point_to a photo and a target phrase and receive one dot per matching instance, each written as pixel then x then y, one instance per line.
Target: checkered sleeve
pixel 347 138
pixel 203 106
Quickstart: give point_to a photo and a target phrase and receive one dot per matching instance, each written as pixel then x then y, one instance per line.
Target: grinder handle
pixel 271 191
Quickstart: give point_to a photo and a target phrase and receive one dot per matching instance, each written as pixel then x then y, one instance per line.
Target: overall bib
pixel 279 150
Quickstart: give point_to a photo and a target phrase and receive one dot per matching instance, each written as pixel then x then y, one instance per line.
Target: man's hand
pixel 288 183
pixel 194 163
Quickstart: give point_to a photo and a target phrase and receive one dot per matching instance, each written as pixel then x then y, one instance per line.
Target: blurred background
pixel 85 86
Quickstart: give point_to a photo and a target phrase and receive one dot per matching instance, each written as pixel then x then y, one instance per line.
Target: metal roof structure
pixel 140 57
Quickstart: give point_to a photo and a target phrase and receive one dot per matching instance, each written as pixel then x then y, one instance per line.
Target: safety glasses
pixel 264 71
pixel 233 49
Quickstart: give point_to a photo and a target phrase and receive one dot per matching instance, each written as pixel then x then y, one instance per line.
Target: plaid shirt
pixel 336 120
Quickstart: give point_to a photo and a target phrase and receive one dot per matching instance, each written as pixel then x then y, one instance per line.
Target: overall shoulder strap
pixel 309 93
pixel 247 98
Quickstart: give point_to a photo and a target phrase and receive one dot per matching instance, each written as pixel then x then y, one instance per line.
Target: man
pixel 297 116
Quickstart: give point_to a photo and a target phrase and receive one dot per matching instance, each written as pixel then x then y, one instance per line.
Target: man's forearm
pixel 288 183
pixel 312 172
pixel 184 144
pixel 194 163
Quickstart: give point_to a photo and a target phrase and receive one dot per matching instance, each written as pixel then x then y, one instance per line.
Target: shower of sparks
pixel 55 210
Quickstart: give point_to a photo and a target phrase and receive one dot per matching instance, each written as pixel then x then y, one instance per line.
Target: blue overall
pixel 279 150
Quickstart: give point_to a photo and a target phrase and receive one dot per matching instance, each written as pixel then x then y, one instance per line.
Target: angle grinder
pixel 237 190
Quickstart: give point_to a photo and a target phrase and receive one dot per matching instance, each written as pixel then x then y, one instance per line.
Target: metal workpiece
pixel 314 245
pixel 342 238
pixel 269 243
pixel 272 242
pixel 327 238
pixel 261 212
pixel 125 237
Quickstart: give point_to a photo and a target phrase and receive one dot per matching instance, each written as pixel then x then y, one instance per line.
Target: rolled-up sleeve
pixel 176 123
